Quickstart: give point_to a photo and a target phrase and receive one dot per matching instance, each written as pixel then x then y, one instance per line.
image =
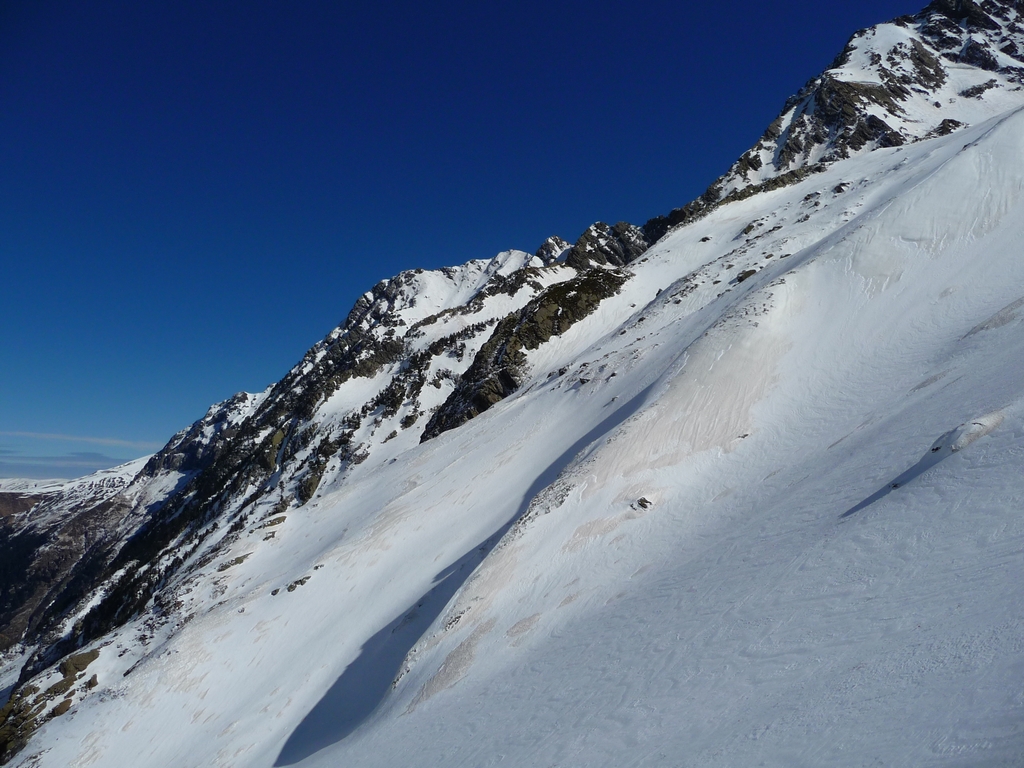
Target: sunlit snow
pixel 776 520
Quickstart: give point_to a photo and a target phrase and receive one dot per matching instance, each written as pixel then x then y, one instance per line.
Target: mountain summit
pixel 739 485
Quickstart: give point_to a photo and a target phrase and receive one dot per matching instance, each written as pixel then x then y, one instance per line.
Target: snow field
pixel 694 583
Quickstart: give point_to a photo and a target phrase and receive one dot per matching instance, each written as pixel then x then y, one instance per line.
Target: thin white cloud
pixel 142 446
pixel 54 467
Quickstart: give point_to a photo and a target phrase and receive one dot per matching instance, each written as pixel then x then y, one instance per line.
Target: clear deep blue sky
pixel 193 193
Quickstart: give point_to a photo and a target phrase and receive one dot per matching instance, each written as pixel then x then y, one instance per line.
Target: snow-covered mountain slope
pixel 46 528
pixel 78 564
pixel 749 495
pixel 694 575
pixel 953 64
pixel 956 63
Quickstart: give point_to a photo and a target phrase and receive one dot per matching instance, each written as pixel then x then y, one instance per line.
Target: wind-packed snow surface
pixel 765 506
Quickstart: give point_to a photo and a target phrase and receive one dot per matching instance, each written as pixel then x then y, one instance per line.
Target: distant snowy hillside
pixel 741 486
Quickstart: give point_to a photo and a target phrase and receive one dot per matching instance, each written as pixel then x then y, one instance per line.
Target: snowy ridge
pixel 114 477
pixel 746 495
pixel 954 64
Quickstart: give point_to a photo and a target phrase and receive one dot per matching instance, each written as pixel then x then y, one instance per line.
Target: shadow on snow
pixel 366 681
pixel 934 455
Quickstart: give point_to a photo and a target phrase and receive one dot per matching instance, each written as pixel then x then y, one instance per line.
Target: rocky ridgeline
pixel 423 353
pixel 916 77
pixel 500 367
pixel 913 78
pixel 411 343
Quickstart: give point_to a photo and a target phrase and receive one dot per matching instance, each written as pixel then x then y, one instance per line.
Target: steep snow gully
pixel 741 486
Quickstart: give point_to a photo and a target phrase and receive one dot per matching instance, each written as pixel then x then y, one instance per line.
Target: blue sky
pixel 193 193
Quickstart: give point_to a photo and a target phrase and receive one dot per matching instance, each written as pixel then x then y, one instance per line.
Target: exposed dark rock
pixel 929 70
pixel 601 244
pixel 977 55
pixel 23 712
pixel 195 448
pixel 976 91
pixel 968 11
pixel 509 285
pixel 552 249
pixel 945 128
pixel 776 182
pixel 327 449
pixel 17 503
pixel 659 226
pixel 498 367
pixel 745 275
pixel 78 662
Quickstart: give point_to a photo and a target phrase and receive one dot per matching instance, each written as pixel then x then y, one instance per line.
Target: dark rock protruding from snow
pixel 601 244
pixel 195 448
pixel 500 365
pixel 888 87
pixel 553 249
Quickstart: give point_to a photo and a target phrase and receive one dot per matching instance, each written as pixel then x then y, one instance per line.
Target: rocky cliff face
pixel 426 351
pixel 499 368
pixel 601 244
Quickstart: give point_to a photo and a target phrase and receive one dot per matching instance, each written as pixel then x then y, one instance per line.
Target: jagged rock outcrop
pixel 601 244
pixel 889 86
pixel 500 366
pixel 553 249
pixel 195 448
